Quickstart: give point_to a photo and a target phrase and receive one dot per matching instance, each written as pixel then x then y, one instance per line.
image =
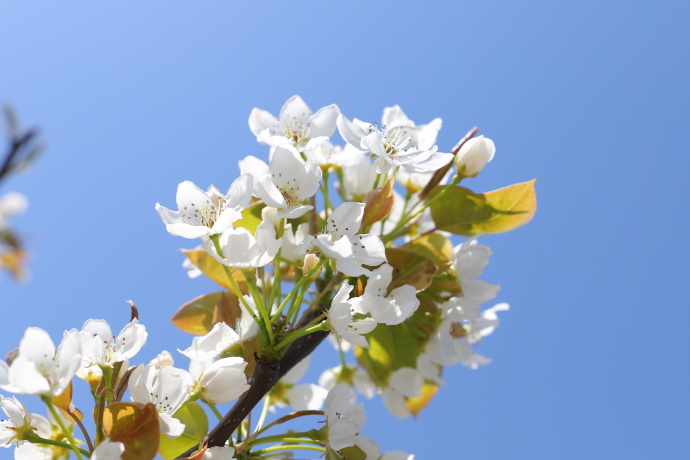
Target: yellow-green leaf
pixel 136 426
pixel 463 212
pixel 251 217
pixel 410 267
pixel 198 316
pixel 214 269
pixel 196 427
pixel 379 203
pixel 393 347
pixel 436 247
pixel 417 404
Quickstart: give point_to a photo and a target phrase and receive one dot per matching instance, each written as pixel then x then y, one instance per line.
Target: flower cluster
pixel 353 242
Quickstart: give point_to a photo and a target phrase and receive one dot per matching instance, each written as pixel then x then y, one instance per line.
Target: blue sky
pixel 592 361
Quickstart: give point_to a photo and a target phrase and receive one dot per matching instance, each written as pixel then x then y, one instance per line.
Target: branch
pixel 266 374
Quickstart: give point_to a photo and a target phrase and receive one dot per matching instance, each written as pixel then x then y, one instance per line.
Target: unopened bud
pixel 474 155
pixel 310 261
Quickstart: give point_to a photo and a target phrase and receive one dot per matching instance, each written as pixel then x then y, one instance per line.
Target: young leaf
pixel 198 316
pixel 136 426
pixel 410 268
pixel 379 203
pixel 464 212
pixel 196 427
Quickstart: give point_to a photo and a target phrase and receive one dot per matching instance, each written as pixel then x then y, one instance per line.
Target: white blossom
pixel 390 309
pixel 167 388
pixel 206 213
pixel 340 317
pixel 302 396
pixel 286 183
pixel 295 126
pixel 474 155
pixel 403 383
pixel 344 417
pixel 101 347
pixel 108 450
pixel 39 368
pixel 398 143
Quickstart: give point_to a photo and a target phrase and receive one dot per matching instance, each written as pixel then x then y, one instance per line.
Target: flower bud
pixel 474 155
pixel 310 260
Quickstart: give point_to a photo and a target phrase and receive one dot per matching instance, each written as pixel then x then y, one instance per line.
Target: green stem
pixel 213 408
pixel 39 440
pixel 262 417
pixel 307 278
pixel 291 337
pixel 285 418
pixel 58 419
pixel 291 437
pixel 296 304
pixel 268 450
pixel 396 232
pixel 233 283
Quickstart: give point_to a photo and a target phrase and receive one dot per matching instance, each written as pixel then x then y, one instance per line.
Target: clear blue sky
pixel 591 97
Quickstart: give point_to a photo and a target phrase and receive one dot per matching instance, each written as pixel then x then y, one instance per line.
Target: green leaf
pixel 251 217
pixel 196 427
pixel 410 268
pixel 214 270
pixel 463 212
pixel 436 247
pixel 379 203
pixel 393 347
pixel 198 316
pixel 136 426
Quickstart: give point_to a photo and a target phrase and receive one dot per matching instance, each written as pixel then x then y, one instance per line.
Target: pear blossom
pixel 358 177
pixel 296 244
pixel 474 155
pixel 219 381
pixel 29 451
pixel 206 213
pixel 390 309
pixel 340 318
pixel 398 143
pixel 469 260
pixel 329 156
pixel 286 183
pixel 20 423
pixel 341 242
pixel 167 388
pixel 11 204
pixel 302 396
pixel 241 249
pixel 164 358
pixel 39 368
pixel 218 453
pixel 101 347
pixel 403 383
pixel 295 126
pixel 108 450
pixel 344 417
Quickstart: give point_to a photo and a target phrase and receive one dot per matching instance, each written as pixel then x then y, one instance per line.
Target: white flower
pixel 206 213
pixel 108 450
pixel 241 249
pixel 20 423
pixel 164 358
pixel 470 259
pixel 341 242
pixel 38 368
pixel 390 309
pixel 100 347
pixel 33 452
pixel 11 204
pixel 295 125
pixel 359 177
pixel 340 317
pixel 474 155
pixel 286 182
pixel 296 245
pixel 303 396
pixel 329 156
pixel 218 453
pixel 344 417
pixel 219 381
pixel 167 388
pixel 398 143
pixel 403 383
